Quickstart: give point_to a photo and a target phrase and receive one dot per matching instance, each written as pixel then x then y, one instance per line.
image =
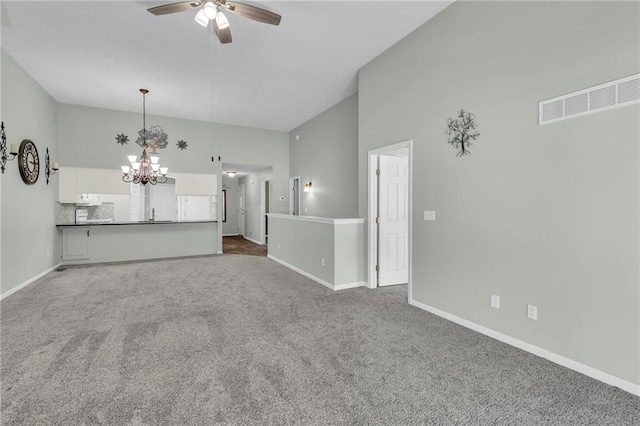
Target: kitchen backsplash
pixel 66 212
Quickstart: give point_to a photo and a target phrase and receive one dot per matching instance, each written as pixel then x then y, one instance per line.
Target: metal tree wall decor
pixel 461 132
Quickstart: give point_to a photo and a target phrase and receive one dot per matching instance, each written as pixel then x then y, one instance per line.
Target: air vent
pixel 621 92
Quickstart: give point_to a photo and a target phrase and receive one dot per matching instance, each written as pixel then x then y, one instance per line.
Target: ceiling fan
pixel 211 10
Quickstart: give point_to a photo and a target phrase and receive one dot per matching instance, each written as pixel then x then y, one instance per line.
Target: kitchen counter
pixel 108 241
pixel 147 222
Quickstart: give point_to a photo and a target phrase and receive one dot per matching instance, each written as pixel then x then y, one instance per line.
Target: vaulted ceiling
pixel 99 53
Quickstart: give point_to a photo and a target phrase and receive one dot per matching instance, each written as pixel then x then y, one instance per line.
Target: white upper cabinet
pixel 74 181
pixel 102 181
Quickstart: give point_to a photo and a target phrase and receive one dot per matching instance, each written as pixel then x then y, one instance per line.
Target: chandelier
pixel 147 169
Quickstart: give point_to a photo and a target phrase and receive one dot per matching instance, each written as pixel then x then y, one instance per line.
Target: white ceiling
pixel 99 53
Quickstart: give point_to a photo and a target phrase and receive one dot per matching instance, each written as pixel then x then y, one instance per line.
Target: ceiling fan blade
pixel 165 9
pixel 253 12
pixel 224 35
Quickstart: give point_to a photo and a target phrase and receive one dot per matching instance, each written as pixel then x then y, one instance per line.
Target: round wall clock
pixel 28 162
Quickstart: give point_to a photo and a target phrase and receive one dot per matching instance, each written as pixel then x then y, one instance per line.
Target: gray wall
pixel 326 154
pixel 546 215
pixel 88 136
pixel 28 238
pixel 304 245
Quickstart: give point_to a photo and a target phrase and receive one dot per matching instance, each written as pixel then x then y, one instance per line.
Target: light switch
pixel 429 215
pixel 495 301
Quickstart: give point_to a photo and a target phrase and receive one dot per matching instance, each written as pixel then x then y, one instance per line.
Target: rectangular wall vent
pixel 621 92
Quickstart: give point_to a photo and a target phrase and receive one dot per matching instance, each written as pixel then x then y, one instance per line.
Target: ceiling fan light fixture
pixel 210 10
pixel 222 21
pixel 201 18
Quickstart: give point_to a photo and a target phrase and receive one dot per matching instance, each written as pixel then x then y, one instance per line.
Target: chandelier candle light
pixel 147 169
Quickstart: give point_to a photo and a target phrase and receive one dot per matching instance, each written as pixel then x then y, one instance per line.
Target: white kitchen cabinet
pixel 101 181
pixel 89 199
pixel 75 243
pixel 75 180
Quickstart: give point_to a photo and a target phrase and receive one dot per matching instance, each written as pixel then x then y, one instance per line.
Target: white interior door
pixel 393 214
pixel 241 209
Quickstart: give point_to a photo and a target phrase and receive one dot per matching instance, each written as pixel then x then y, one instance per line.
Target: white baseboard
pixel 555 358
pixel 230 235
pixel 29 281
pixel 335 287
pixel 251 239
pixel 301 272
pixel 349 285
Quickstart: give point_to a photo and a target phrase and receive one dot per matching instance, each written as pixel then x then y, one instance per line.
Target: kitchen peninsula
pixel 100 242
pixel 101 219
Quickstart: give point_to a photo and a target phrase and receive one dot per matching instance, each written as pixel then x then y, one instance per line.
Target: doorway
pixel 241 209
pixel 389 215
pixel 294 195
pixel 264 210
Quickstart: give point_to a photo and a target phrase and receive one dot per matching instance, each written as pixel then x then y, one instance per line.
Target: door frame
pixel 372 229
pixel 292 198
pixel 263 208
pixel 244 202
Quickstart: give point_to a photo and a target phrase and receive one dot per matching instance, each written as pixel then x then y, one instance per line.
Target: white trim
pixel 316 219
pixel 263 207
pixel 301 272
pixel 553 357
pixel 372 243
pixel 29 281
pixel 334 287
pixel 349 285
pixel 291 196
pixel 252 240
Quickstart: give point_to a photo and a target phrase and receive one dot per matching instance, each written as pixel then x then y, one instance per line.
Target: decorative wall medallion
pixel 156 138
pixel 28 162
pixel 182 145
pixel 122 139
pixel 461 131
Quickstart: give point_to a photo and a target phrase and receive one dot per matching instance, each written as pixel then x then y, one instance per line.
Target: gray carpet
pixel 242 340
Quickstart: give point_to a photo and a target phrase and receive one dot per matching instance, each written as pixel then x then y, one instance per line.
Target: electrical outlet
pixel 495 301
pixel 532 312
pixel 322 261
pixel 278 246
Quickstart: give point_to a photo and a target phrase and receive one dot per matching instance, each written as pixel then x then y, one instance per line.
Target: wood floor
pixel 238 245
